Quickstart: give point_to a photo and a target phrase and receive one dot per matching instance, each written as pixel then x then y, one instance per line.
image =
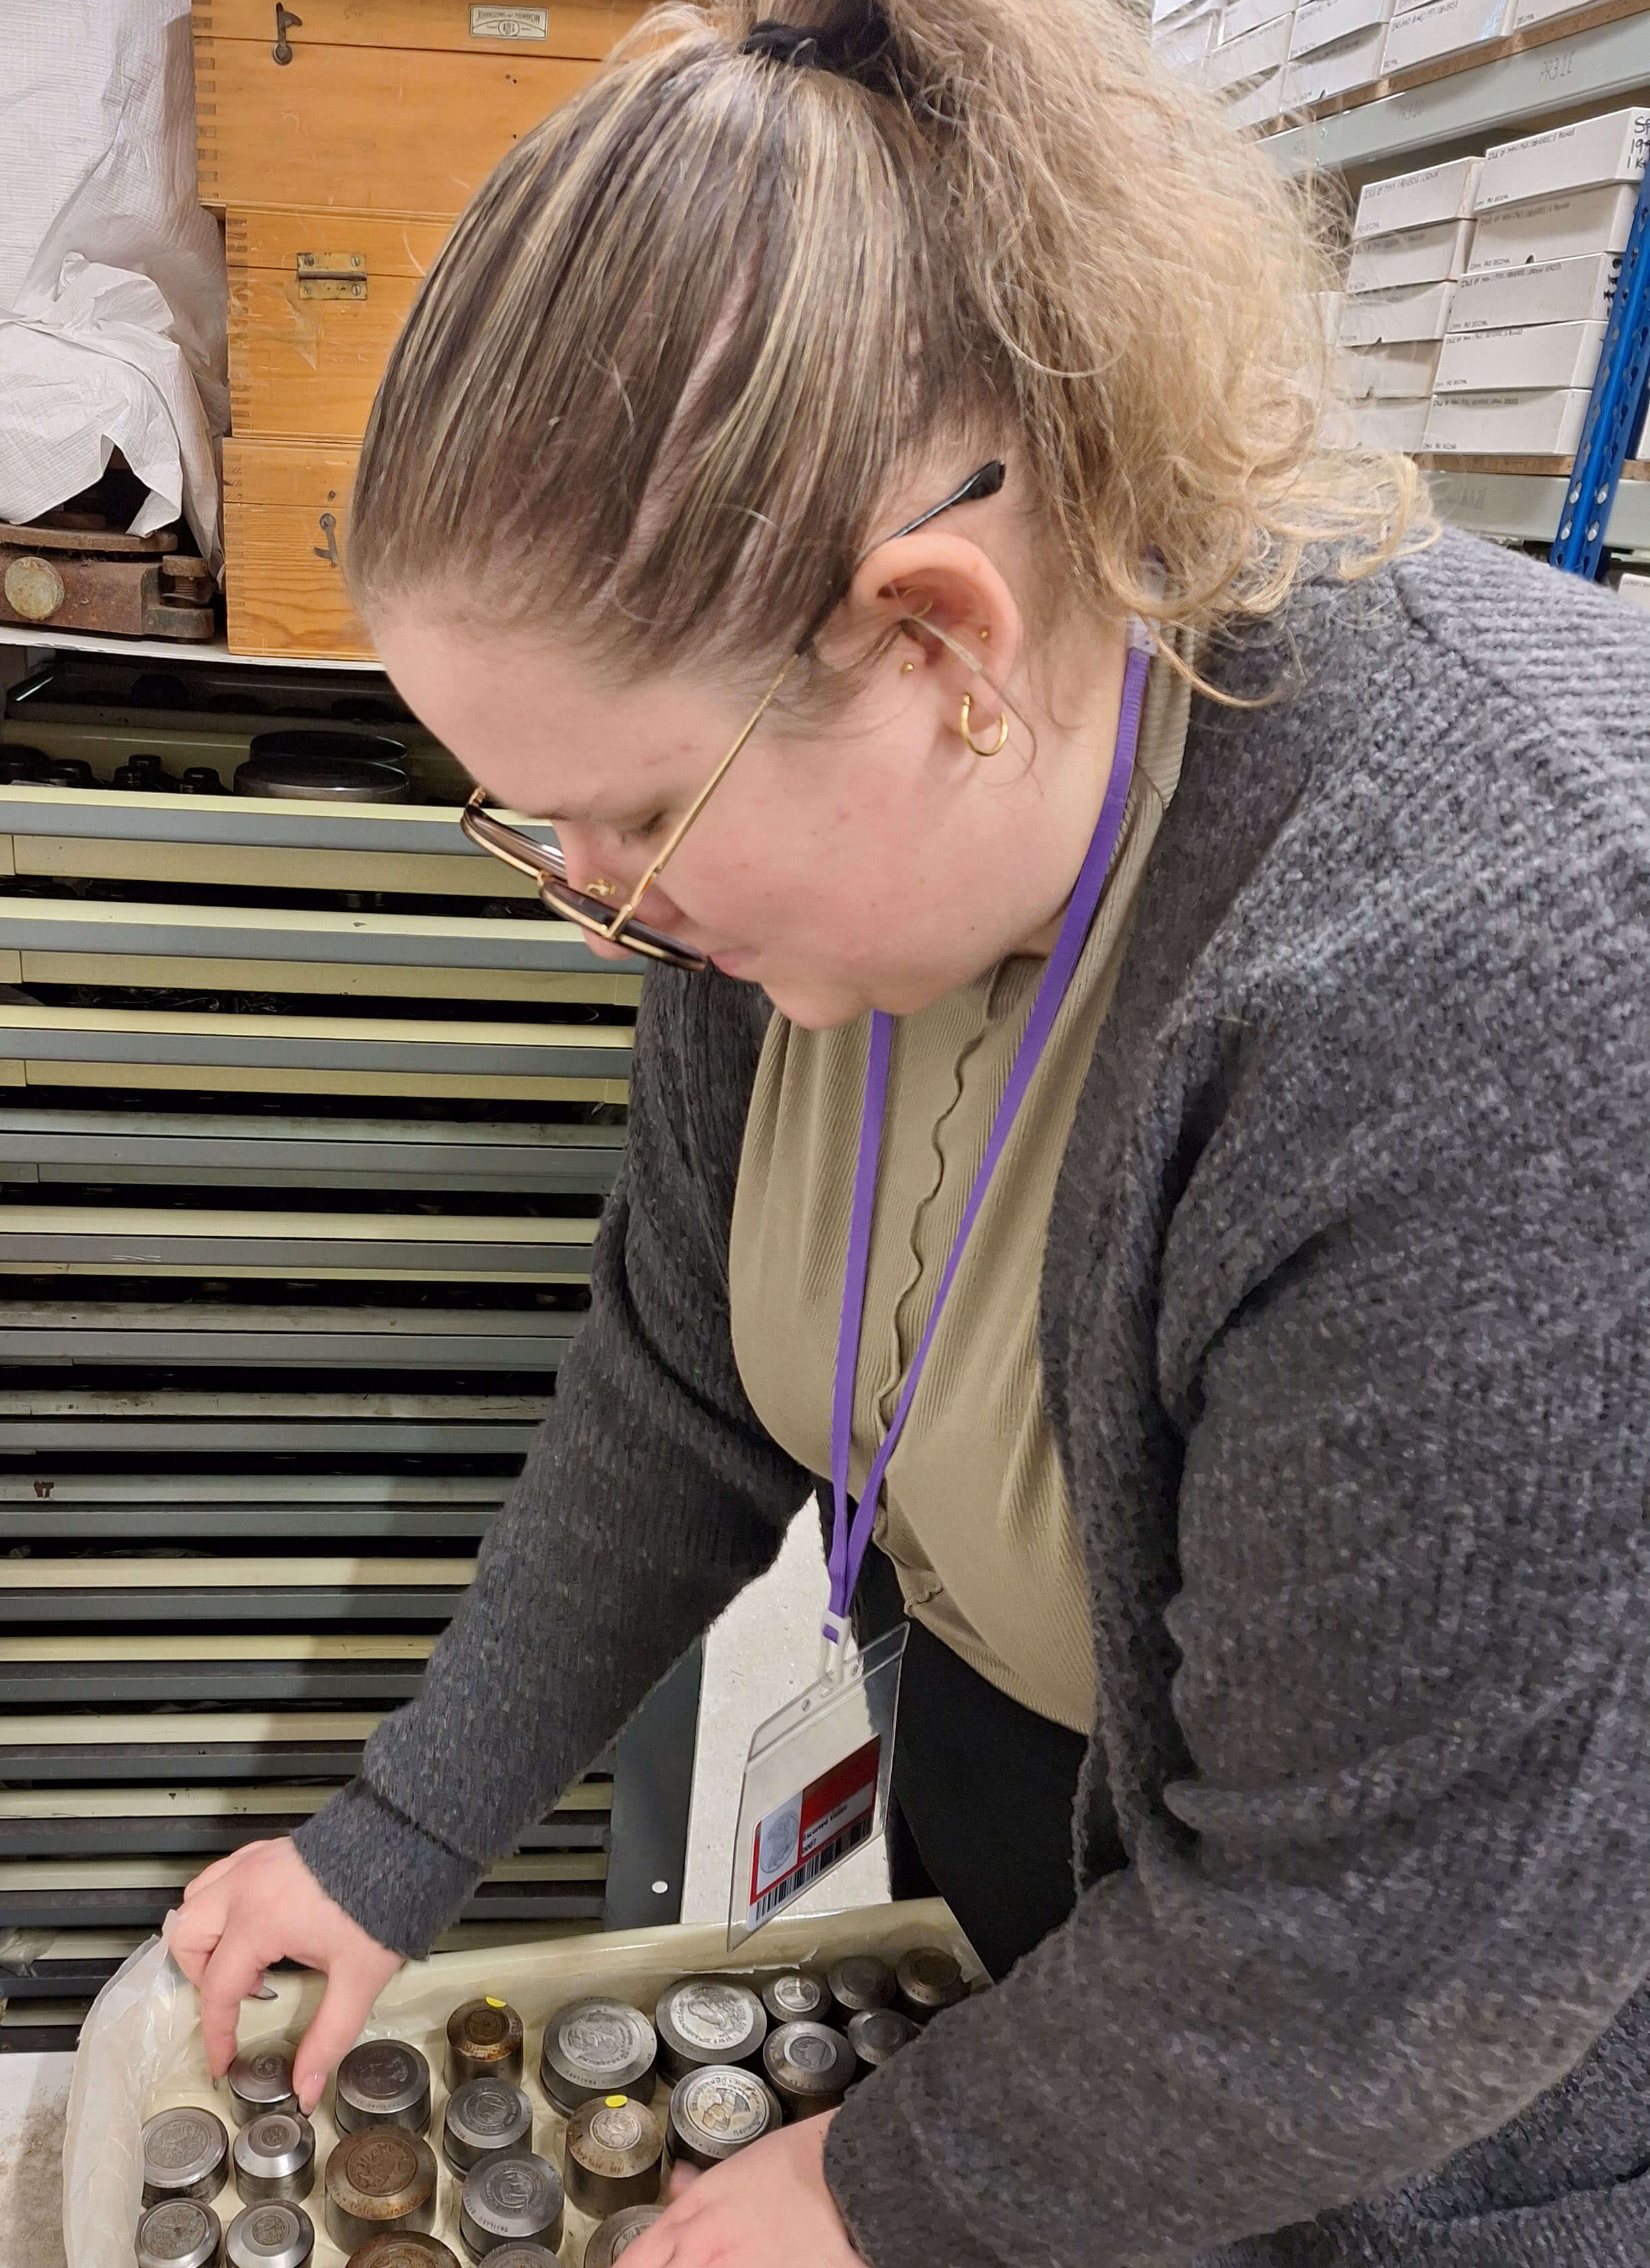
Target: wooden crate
pixel 382 106
pixel 286 519
pixel 305 356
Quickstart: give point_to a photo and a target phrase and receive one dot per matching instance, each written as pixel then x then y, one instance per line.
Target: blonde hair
pixel 706 319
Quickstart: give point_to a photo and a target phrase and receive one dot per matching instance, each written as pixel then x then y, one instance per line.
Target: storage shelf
pixel 1549 67
pixel 42 637
pixel 1526 506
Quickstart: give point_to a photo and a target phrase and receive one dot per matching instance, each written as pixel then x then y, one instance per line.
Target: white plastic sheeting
pixel 113 301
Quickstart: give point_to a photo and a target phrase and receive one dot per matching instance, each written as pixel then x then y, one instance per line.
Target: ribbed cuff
pixel 402 1886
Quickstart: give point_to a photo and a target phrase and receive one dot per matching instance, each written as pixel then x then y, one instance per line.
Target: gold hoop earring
pixel 1001 741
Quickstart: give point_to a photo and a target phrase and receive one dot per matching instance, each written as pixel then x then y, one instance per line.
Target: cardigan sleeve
pixel 1393 1881
pixel 651 1495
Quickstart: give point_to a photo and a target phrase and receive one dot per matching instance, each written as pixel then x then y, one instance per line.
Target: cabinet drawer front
pixel 369 129
pixel 580 30
pixel 286 516
pixel 309 368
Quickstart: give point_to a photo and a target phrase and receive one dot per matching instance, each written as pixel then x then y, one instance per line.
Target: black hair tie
pixel 785 43
pixel 859 47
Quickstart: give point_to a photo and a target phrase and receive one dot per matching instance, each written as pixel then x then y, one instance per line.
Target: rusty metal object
pixel 141 596
pixel 483 2042
pixel 379 2178
pixel 614 2156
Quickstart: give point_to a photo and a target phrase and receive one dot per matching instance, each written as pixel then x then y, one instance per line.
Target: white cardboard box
pixel 1243 16
pixel 1412 255
pixel 1388 373
pixel 1259 103
pixel 1539 354
pixel 1543 423
pixel 1550 291
pixel 1526 13
pixel 1555 228
pixel 1422 200
pixel 1326 23
pixel 1354 62
pixel 1415 311
pixel 1328 305
pixel 1187 47
pixel 1391 425
pixel 1236 63
pixel 1440 28
pixel 1612 148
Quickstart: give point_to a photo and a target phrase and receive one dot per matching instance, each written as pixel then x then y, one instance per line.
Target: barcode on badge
pixel 800 1839
pixel 809 1871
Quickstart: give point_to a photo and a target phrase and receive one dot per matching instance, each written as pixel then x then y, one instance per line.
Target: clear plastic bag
pixel 816 1784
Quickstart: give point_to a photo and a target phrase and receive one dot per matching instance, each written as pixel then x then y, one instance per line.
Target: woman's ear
pixel 946 595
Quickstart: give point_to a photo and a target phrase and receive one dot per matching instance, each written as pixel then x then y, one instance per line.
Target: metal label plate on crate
pixel 488 23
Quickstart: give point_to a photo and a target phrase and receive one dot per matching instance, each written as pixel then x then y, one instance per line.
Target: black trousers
pixel 983 1791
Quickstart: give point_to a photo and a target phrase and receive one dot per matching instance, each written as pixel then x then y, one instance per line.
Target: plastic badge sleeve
pixel 816 1784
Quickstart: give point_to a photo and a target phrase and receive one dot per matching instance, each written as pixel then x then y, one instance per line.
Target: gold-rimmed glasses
pixel 544 862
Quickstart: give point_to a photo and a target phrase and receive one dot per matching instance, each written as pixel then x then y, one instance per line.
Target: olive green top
pixel 975 1514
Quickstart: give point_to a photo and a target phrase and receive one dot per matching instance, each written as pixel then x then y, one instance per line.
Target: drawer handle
pixel 285 21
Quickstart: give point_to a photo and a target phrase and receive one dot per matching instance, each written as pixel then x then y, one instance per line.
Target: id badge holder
pixel 816 1784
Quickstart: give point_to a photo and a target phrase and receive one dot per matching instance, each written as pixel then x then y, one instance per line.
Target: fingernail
pixel 308 2096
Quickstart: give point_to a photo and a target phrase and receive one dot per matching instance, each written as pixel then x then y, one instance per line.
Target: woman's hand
pixel 767 2208
pixel 260 1905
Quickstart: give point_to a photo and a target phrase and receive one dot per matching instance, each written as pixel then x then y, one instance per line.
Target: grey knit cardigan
pixel 1345 1339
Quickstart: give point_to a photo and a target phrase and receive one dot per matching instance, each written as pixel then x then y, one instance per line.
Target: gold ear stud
pixel 906 668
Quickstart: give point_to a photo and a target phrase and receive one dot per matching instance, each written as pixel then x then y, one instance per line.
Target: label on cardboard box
pixel 1390 424
pixel 1438 192
pixel 1547 292
pixel 1440 29
pixel 1538 354
pixel 1412 255
pixel 1243 16
pixel 1555 228
pixel 1388 373
pixel 1324 23
pixel 1611 148
pixel 1412 312
pixel 1234 63
pixel 1543 422
pixel 1350 63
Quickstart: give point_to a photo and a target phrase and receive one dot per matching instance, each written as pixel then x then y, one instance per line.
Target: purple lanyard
pixel 849 1542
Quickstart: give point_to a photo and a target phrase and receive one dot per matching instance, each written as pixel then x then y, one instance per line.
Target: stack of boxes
pixel 1553 214
pixel 1477 292
pixel 1411 243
